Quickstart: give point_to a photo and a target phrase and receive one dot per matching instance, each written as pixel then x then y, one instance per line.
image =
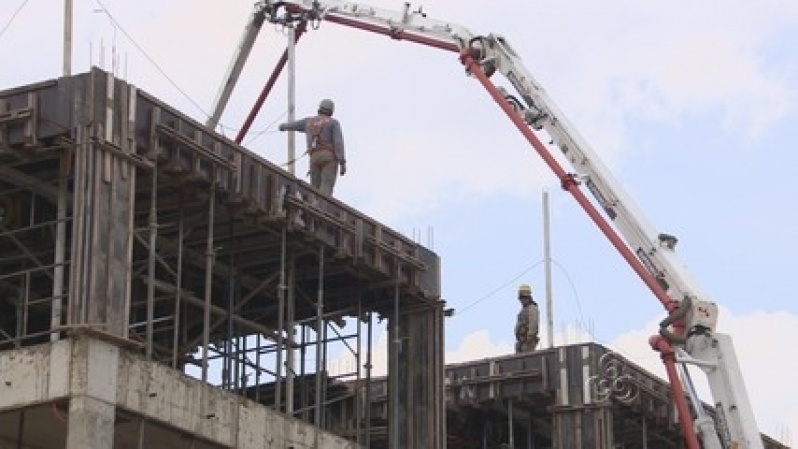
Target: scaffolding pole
pixel 178 285
pixel 209 256
pixel 290 355
pixel 547 258
pixel 369 337
pixel 393 372
pixel 280 323
pixel 60 249
pixel 318 412
pixel 153 228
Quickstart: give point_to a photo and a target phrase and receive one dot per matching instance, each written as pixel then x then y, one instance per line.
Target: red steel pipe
pixel 267 88
pixel 381 29
pixel 668 356
pixel 394 34
pixel 570 184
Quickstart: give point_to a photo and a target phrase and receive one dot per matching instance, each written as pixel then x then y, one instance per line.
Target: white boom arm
pixel 673 284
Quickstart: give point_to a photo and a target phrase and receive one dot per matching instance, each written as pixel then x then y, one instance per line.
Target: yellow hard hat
pixel 524 289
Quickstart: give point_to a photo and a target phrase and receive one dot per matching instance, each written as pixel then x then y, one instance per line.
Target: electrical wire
pixel 13 16
pixel 564 271
pixel 116 23
pixel 267 130
pixel 501 287
pixel 576 294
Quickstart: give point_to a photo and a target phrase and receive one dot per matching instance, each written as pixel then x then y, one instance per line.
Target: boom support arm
pixel 692 320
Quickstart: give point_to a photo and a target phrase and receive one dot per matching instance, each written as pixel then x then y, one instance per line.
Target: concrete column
pixel 588 428
pixel 104 193
pixel 91 424
pixel 419 379
pixel 92 408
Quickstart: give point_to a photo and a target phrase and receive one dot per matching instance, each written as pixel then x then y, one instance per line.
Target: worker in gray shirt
pixel 325 146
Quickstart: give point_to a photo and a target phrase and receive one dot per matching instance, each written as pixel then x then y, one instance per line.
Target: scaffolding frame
pixel 124 216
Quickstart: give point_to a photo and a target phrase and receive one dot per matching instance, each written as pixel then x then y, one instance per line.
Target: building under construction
pixel 163 287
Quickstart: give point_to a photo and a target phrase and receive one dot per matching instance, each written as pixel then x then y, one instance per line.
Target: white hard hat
pixel 327 105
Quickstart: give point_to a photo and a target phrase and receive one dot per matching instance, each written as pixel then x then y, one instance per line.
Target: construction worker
pixel 325 146
pixel 527 324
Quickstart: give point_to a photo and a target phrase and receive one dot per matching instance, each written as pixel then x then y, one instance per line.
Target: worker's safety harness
pixel 317 144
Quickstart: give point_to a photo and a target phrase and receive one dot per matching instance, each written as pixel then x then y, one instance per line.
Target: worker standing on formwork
pixel 527 324
pixel 325 146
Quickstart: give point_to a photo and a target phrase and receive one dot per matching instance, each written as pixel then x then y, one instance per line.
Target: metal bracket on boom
pixel 532 117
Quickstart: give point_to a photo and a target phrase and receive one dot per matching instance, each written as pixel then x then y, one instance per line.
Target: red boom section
pixel 380 29
pixel 568 181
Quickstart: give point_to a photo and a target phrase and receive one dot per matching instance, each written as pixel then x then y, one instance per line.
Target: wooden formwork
pixel 576 396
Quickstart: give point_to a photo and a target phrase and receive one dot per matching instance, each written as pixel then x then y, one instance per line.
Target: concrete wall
pixel 100 379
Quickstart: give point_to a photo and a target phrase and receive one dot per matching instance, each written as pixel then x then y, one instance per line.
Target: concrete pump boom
pixel 688 334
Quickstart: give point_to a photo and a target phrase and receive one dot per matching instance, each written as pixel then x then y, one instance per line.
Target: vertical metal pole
pixel 258 350
pixel 319 333
pixel 530 437
pixel 547 258
pixel 21 429
pixel 369 337
pixel 179 284
pixel 278 372
pixel 510 432
pixel 151 262
pixel 358 383
pixel 88 225
pixel 209 255
pixel 242 357
pixel 25 302
pixel 291 98
pixel 231 346
pixel 68 37
pixel 20 311
pixel 393 372
pixel 324 334
pixel 141 434
pixel 303 368
pixel 60 250
pixel 289 362
pixel 77 231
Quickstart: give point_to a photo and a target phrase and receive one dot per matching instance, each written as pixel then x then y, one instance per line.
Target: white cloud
pixel 768 371
pixel 478 346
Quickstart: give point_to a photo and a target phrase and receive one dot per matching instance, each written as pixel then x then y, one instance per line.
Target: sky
pixel 691 105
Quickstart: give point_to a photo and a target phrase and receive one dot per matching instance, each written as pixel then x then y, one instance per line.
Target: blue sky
pixel 692 107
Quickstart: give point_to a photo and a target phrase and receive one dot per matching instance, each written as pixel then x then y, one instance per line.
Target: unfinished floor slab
pixel 85 392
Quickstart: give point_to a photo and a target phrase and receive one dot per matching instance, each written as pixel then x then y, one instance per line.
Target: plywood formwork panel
pixel 575 396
